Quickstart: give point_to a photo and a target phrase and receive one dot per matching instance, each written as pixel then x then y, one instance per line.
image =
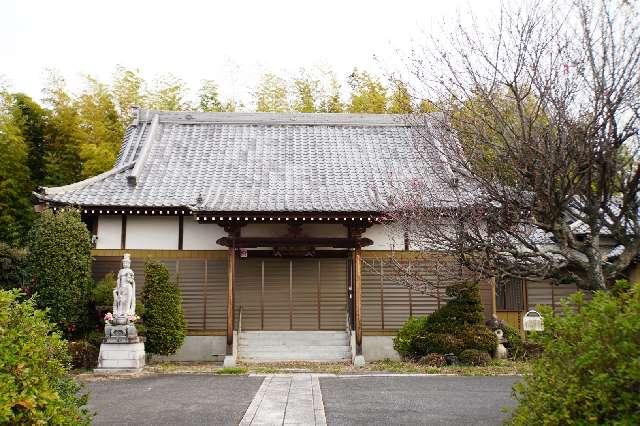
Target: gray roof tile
pixel 258 162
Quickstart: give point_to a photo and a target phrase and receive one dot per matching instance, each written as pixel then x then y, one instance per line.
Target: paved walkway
pixel 287 400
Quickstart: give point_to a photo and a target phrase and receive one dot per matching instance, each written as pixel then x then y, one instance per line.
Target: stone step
pixel 274 346
pixel 296 356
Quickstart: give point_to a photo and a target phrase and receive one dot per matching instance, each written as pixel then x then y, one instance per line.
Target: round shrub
pixel 60 265
pixel 35 387
pixel 433 360
pixel 439 343
pixel 474 357
pixel 478 337
pixel 405 341
pixel 83 354
pixel 451 329
pixel 163 317
pixel 589 371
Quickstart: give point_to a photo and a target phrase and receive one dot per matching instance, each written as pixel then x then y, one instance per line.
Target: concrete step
pixel 272 346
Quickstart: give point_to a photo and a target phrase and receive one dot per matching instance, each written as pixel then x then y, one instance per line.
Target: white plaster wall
pixel 378 348
pixel 155 233
pixel 109 232
pixel 198 348
pixel 198 236
pixel 384 238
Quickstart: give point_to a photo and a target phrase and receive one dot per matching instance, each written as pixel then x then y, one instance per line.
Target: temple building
pixel 272 225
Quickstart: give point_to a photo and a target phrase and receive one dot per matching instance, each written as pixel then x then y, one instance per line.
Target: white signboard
pixel 532 321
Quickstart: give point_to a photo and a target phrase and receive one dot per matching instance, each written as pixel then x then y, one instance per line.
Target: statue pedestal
pixel 121 350
pixel 120 358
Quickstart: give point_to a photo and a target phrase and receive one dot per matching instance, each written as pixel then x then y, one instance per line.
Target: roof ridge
pixel 287 118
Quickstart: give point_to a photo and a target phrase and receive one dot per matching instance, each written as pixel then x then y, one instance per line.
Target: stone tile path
pixel 293 399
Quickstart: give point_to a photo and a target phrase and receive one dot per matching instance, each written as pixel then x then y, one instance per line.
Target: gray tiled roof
pixel 257 162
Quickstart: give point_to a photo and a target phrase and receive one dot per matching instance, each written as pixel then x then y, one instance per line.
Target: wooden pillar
pixel 231 266
pixel 357 297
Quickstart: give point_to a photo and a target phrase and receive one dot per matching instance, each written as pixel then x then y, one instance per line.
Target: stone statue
pixel 501 351
pixel 122 350
pixel 124 295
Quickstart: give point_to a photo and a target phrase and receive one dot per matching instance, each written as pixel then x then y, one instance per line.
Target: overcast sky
pixel 232 42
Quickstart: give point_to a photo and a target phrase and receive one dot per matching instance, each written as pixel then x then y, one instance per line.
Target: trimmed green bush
pixel 163 317
pixel 454 327
pixel 405 341
pixel 34 384
pixel 463 309
pixel 478 337
pixel 60 266
pixel 589 371
pixel 440 343
pixel 474 357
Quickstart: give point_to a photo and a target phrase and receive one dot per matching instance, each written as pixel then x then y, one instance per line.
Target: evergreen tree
pixel 163 315
pixel 368 94
pixel 60 265
pixel 271 94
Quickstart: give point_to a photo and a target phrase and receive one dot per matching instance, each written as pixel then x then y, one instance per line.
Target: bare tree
pixel 538 143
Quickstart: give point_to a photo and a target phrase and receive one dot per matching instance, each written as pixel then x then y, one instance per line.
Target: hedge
pixel 163 318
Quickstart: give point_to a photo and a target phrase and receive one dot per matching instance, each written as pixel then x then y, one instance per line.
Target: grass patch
pixel 495 368
pixel 232 370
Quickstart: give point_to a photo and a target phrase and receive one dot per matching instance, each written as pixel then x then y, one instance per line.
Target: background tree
pixel 100 129
pixel 62 162
pixel 209 99
pixel 549 92
pixel 168 93
pixel 60 266
pixel 16 212
pixel 271 95
pixel 331 100
pixel 306 93
pixel 128 91
pixel 400 100
pixel 368 94
pixel 31 119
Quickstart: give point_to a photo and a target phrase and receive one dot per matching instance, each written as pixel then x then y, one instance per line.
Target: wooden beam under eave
pixel 231 264
pixel 357 297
